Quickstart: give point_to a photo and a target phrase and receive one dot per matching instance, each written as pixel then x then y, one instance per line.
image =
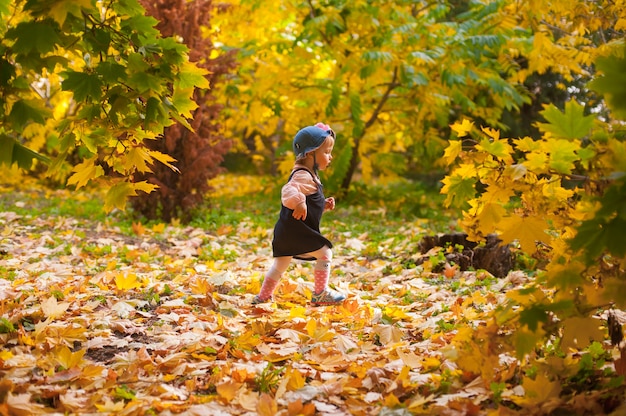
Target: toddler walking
pixel 297 231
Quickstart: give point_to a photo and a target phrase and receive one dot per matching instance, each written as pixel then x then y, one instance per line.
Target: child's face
pixel 323 155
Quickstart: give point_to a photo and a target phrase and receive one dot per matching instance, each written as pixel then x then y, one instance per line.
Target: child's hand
pixel 330 204
pixel 300 211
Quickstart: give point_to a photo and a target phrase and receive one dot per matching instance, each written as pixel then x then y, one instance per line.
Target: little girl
pixel 297 231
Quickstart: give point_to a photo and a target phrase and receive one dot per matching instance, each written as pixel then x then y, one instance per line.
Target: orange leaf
pixel 138 228
pixel 228 390
pixel 266 406
pixel 298 409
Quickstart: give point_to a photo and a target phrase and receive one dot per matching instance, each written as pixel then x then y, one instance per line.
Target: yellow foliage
pixel 527 230
pixel 127 281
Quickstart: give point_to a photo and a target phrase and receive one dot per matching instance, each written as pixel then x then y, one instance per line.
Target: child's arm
pixel 293 194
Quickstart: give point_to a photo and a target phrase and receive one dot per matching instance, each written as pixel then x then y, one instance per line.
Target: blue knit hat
pixel 309 139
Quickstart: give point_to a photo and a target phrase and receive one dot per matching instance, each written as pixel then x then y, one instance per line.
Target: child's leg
pixel 322 295
pixel 321 270
pixel 272 277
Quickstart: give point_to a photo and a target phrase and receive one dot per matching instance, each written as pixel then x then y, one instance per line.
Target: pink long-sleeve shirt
pixel 295 191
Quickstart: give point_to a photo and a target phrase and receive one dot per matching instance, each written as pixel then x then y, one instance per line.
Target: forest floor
pixel 104 314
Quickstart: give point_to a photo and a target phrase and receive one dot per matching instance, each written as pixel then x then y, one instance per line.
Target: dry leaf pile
pixel 159 321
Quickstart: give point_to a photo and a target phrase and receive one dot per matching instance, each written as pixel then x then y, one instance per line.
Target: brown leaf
pixel 21 405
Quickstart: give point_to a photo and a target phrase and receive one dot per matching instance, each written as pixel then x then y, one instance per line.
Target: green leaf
pixel 525 342
pixel 4 7
pixel 111 71
pixel 155 112
pixel 128 7
pixel 612 82
pixel 498 148
pixel 146 83
pixel 13 152
pixel 24 112
pixel 85 86
pixel 458 190
pixel 605 231
pixel 356 111
pixel 534 315
pixel 192 76
pixel 144 25
pixel 182 102
pixel 7 71
pixel 563 154
pixel 37 37
pixel 571 124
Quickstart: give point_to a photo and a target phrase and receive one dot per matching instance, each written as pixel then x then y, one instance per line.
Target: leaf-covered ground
pixel 105 315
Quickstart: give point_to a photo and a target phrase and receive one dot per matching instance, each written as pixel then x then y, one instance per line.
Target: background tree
pixel 198 152
pixel 89 85
pixel 392 76
pixel 388 76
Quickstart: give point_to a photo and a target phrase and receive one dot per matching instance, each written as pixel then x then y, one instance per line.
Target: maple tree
pixel 86 85
pixel 562 199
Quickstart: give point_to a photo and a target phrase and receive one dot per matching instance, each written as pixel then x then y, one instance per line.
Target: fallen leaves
pixel 158 319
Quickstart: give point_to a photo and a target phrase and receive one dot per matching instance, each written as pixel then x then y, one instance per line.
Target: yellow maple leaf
pixel 297 312
pixel 493 133
pixel 536 162
pixel 579 332
pixel 296 379
pixel 110 407
pixel 489 218
pixel 247 340
pixel 117 195
pixel 138 158
pixel 319 332
pixel 127 281
pixel 200 286
pixel 164 158
pixel 85 172
pixel 431 363
pixel 539 390
pixel 527 230
pixel 555 191
pixel 68 359
pixel 461 129
pixel 452 151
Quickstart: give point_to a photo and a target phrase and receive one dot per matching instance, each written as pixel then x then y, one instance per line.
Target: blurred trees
pixel 391 77
pixel 99 89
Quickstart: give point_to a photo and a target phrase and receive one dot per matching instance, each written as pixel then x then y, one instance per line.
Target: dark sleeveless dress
pixel 294 237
